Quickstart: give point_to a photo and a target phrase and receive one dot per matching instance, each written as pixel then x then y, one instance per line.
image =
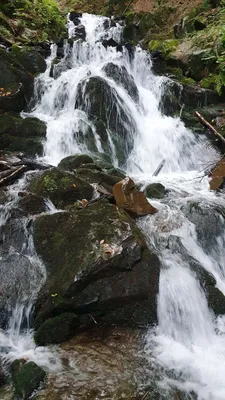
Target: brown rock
pixel 217 175
pixel 128 197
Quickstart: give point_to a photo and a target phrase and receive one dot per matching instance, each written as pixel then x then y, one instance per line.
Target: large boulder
pixel 73 162
pixel 129 198
pixel 103 105
pixel 155 191
pixel 18 69
pixel 56 330
pixel 18 134
pixel 120 75
pixel 26 378
pixel 97 261
pixel 62 188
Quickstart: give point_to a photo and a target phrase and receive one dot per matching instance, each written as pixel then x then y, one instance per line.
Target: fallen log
pixel 13 176
pixel 207 125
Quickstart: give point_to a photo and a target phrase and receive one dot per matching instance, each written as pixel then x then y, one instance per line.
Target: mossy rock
pixel 166 47
pixel 29 59
pixel 101 178
pixel 56 330
pixel 32 127
pixel 30 146
pixel 155 191
pixel 201 63
pixel 10 123
pixel 73 162
pixel 15 79
pixel 210 82
pixel 12 97
pixel 32 204
pixel 84 273
pixel 62 188
pixel 26 378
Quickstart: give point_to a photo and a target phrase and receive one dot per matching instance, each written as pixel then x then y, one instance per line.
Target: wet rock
pixel 127 197
pixel 54 71
pixel 155 191
pixel 14 267
pixel 120 75
pixel 56 330
pixel 102 103
pixel 80 32
pixel 32 204
pixel 60 52
pixel 26 378
pixel 107 180
pixel 76 21
pixel 109 43
pixel 3 197
pixel 74 14
pixel 12 97
pixel 217 176
pixel 3 377
pixel 106 263
pixel 18 69
pixel 29 59
pixel 73 162
pixel 18 134
pixel 62 188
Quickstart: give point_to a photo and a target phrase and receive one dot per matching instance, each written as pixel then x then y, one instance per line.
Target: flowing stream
pixel 188 345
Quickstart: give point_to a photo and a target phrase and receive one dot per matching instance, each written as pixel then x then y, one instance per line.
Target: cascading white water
pixel 22 275
pixel 188 341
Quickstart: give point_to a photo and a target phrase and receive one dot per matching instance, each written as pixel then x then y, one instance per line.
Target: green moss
pixel 165 46
pixel 26 378
pixel 209 82
pixel 56 330
pixel 62 188
pixel 42 16
pixel 49 184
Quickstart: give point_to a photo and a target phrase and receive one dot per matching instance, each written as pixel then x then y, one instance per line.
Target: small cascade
pixel 22 275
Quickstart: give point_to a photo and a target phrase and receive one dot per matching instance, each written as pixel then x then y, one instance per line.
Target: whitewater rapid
pixel 188 345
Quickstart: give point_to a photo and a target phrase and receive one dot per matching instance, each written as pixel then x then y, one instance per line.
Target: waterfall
pixel 188 345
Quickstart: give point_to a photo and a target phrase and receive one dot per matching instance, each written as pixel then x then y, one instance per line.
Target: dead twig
pixel 207 125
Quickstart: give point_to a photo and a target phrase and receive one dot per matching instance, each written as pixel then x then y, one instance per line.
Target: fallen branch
pixel 207 125
pixel 159 169
pixel 13 176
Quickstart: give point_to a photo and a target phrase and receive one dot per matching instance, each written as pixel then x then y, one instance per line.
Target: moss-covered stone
pixel 155 191
pixel 104 179
pixel 29 59
pixel 73 162
pixel 165 46
pixel 26 378
pixel 210 82
pixel 32 127
pixel 60 187
pixel 32 204
pixel 56 330
pixel 30 146
pixel 96 260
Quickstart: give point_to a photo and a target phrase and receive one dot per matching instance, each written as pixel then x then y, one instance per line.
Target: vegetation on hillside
pixel 27 20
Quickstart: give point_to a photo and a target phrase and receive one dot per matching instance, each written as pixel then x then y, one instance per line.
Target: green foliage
pixel 40 15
